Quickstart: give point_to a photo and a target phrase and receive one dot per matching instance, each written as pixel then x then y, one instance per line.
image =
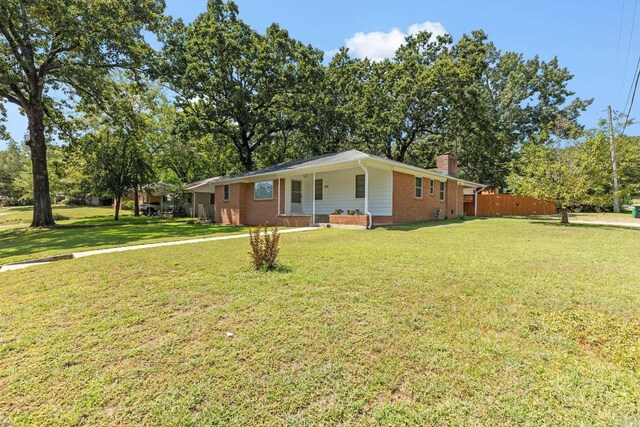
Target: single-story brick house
pixel 348 188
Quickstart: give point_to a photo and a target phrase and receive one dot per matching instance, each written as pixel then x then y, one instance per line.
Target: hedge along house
pixel 351 188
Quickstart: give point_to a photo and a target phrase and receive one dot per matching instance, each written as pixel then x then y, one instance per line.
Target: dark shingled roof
pixel 322 160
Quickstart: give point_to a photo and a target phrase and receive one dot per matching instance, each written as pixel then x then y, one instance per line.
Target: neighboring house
pixel 316 190
pixel 162 198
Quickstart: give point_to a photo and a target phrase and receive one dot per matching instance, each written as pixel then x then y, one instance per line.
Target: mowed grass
pixel 488 322
pixel 91 229
pixel 604 216
pixel 22 215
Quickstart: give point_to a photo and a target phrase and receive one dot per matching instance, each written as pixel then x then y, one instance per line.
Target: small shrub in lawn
pixel 128 205
pixel 264 248
pixel 60 217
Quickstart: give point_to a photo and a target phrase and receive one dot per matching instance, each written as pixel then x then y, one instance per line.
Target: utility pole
pixel 614 162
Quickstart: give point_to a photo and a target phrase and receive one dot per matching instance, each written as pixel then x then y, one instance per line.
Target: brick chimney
pixel 447 163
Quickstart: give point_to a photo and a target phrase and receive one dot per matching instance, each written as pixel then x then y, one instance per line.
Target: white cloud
pixel 378 45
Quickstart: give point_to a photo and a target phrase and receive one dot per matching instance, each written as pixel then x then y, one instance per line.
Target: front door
pixel 296 196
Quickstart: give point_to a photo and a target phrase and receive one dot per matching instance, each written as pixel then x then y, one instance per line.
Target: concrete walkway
pixel 148 246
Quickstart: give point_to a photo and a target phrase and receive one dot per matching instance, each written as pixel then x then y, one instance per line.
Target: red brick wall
pixel 406 208
pixel 260 212
pixel 448 163
pixel 243 209
pixel 230 211
pixel 381 219
pixel 348 220
pixel 455 200
pixel 294 220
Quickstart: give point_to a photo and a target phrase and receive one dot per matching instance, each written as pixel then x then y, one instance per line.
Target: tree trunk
pixel 116 214
pixel 136 201
pixel 564 215
pixel 247 160
pixel 42 214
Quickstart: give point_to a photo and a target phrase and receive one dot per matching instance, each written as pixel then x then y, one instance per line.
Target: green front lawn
pixel 489 322
pixel 23 214
pixel 91 231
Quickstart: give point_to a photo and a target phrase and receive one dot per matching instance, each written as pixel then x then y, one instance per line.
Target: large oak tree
pixel 244 86
pixel 63 50
pixel 466 97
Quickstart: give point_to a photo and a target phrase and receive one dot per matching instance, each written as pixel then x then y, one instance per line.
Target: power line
pixel 635 73
pixel 633 23
pixel 620 35
pixel 633 97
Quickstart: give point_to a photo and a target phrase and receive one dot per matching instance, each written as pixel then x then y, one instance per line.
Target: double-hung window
pixel 432 187
pixel 318 189
pixel 418 187
pixel 359 186
pixel 442 191
pixel 225 192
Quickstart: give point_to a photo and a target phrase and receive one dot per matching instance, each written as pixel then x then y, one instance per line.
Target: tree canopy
pixel 242 86
pixel 234 99
pixel 57 51
pixel 555 173
pixel 467 98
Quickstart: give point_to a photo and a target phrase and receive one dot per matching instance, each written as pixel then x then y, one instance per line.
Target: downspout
pixel 366 195
pixel 475 202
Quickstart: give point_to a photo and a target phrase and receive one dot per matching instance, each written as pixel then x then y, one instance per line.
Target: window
pixel 296 192
pixel 226 194
pixel 359 186
pixel 432 188
pixel 418 187
pixel 212 198
pixel 263 190
pixel 442 191
pixel 319 187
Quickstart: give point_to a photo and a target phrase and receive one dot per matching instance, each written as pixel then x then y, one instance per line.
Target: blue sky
pixel 590 37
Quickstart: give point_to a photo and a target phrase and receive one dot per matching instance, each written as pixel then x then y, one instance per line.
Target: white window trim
pixel 226 195
pixel 364 196
pixel 432 187
pixel 443 191
pixel 421 187
pixel 262 198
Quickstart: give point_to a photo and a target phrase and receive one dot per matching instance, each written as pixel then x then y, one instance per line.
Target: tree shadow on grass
pixel 427 224
pixel 583 225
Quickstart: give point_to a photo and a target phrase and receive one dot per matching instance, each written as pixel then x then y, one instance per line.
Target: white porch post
pixel 278 195
pixel 313 199
pixel 193 202
pixel 366 192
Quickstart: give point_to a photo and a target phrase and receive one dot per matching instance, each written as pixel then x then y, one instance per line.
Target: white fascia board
pixel 288 173
pixel 201 188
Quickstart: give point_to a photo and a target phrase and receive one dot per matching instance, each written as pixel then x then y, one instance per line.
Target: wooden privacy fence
pixel 506 205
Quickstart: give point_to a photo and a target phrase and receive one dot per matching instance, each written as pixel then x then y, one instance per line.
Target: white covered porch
pixel 351 189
